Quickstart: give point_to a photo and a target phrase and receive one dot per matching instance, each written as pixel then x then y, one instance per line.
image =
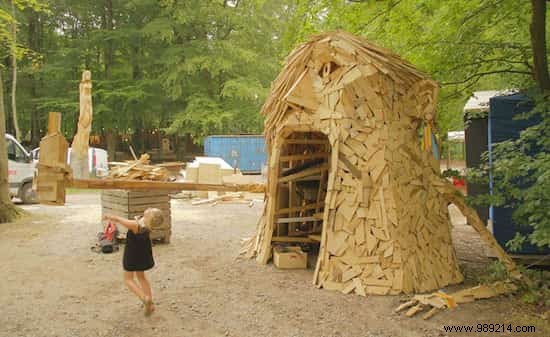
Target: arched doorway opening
pixel 301 191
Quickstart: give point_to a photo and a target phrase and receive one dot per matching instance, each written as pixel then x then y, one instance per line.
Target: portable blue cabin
pixel 494 120
pixel 245 152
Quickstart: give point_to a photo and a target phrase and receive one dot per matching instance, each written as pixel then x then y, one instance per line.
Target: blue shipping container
pixel 246 152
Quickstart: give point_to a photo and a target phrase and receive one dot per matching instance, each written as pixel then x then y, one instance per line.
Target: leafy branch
pixel 486 73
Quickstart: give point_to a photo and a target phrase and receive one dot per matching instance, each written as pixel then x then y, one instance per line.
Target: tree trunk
pixel 111 139
pixel 34 44
pixel 14 68
pixel 8 212
pixel 538 43
pixel 108 25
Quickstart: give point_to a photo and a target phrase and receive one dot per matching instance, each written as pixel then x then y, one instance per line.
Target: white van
pixel 21 167
pixel 98 161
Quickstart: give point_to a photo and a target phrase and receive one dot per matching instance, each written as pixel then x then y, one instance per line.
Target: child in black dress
pixel 138 253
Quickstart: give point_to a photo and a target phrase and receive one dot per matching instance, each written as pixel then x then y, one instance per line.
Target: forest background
pixel 205 66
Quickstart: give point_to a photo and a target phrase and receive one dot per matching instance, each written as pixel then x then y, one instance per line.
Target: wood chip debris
pixel 439 301
pixel 138 170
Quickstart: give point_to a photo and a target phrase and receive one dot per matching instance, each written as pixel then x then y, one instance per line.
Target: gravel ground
pixel 54 285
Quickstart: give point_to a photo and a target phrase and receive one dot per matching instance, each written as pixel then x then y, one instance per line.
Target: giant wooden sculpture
pixel 79 153
pixel 345 165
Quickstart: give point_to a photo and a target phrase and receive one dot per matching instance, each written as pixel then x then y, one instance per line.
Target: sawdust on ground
pixel 54 285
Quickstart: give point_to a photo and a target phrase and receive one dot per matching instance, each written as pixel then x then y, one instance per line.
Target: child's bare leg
pixel 146 287
pixel 132 285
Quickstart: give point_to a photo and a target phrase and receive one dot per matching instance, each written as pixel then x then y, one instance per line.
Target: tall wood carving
pixel 79 152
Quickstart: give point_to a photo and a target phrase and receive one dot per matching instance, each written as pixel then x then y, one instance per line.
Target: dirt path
pixel 53 285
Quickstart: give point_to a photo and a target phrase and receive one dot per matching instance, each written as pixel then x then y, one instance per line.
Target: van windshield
pixel 15 152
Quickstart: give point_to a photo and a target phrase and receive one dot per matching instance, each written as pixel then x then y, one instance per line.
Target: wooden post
pixel 52 164
pixel 79 153
pixel 54 123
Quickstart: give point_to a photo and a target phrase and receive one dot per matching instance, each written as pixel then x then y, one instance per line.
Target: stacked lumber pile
pixel 174 168
pixel 129 204
pixel 207 170
pixel 139 169
pixel 345 165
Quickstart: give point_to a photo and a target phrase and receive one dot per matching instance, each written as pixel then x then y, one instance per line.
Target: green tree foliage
pixel 8 212
pixel 197 67
pixel 465 45
pixel 521 167
pixel 221 58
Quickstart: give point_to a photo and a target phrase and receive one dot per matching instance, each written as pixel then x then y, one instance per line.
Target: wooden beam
pixel 315 237
pixel 298 219
pixel 54 123
pixel 292 239
pixel 122 184
pixel 304 156
pixel 354 170
pixel 453 196
pixel 299 208
pixel 304 173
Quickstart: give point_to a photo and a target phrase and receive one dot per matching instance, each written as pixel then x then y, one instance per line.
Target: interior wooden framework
pixel 301 188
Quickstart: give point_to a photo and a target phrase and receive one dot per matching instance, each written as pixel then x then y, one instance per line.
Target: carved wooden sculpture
pixel 79 152
pixel 343 117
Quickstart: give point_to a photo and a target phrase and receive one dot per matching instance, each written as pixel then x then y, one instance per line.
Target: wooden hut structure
pixel 346 168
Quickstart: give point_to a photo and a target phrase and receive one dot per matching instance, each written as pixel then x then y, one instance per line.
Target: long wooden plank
pixel 304 173
pixel 304 156
pixel 299 208
pixel 453 196
pixel 297 219
pixel 315 237
pixel 327 221
pixel 124 184
pixel 354 170
pixel 292 239
pixel 264 245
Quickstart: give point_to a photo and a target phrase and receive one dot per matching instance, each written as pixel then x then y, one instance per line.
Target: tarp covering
pixel 476 144
pixel 504 125
pixel 479 101
pixel 455 136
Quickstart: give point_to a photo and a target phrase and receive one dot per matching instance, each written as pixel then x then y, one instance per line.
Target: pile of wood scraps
pixel 229 198
pixel 439 300
pixel 174 168
pixel 138 170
